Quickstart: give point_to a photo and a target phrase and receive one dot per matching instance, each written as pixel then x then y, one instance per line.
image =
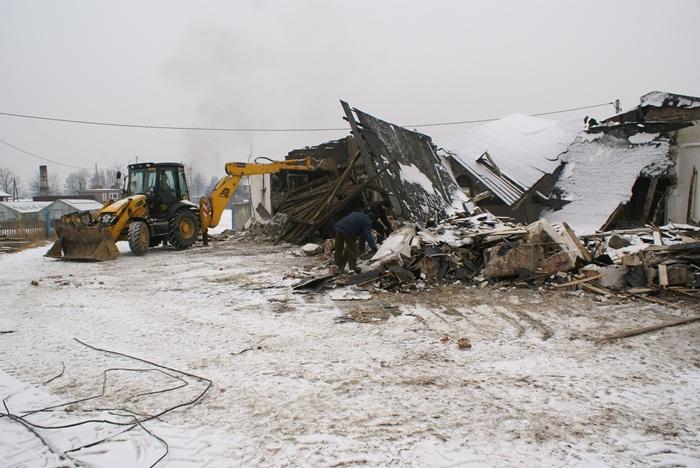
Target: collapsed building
pixel 522 199
pixel 378 160
pixel 632 169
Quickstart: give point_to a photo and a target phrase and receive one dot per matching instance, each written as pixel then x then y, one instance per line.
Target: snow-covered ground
pixel 305 380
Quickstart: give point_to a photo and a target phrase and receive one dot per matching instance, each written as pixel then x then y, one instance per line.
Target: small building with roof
pixel 66 206
pixel 22 210
pixel 4 196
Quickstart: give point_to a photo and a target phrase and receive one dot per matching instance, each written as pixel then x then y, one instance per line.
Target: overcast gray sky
pixel 263 63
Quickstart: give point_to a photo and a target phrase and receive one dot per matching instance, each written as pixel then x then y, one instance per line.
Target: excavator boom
pixel 212 207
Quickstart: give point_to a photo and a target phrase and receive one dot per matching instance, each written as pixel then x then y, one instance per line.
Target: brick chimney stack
pixel 43 181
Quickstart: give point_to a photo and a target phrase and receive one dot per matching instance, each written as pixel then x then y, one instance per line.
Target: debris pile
pixel 482 249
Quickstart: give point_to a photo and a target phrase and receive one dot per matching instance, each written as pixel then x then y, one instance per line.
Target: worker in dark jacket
pixel 380 223
pixel 347 231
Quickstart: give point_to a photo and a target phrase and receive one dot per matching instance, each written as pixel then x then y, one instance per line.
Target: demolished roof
pixel 599 174
pixel 407 168
pixel 510 155
pixel 659 110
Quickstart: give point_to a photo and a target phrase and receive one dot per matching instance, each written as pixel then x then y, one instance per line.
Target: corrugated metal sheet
pixel 509 192
pixel 523 148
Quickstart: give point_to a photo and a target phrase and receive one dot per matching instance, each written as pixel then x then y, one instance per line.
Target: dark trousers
pixel 345 250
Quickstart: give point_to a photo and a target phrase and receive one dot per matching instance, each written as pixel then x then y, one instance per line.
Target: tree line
pixel 83 179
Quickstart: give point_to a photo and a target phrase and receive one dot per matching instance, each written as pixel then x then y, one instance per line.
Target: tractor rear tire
pixel 139 237
pixel 182 229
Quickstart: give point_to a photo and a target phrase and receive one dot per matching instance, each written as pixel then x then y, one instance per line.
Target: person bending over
pixel 347 231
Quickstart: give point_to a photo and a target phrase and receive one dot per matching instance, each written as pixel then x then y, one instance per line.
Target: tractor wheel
pixel 182 229
pixel 139 237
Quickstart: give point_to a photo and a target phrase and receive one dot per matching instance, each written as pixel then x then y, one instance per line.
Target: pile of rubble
pixel 482 249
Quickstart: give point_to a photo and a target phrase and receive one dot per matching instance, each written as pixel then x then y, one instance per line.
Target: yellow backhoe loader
pixel 156 209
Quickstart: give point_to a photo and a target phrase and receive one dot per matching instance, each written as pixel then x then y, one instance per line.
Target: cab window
pixel 184 193
pixel 140 180
pixel 167 188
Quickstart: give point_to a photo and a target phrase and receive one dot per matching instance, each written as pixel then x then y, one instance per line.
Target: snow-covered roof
pixel 522 148
pixel 4 194
pixel 26 206
pixel 599 174
pixel 81 204
pixel 662 99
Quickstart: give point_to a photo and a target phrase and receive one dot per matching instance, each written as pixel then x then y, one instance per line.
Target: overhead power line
pixel 21 150
pixel 171 127
pixel 262 130
pixel 461 122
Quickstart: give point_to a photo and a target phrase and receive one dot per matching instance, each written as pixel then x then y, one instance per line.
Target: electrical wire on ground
pixel 136 419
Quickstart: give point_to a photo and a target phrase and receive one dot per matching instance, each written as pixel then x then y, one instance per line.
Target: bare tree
pixel 53 180
pixel 8 179
pixel 195 181
pixel 77 181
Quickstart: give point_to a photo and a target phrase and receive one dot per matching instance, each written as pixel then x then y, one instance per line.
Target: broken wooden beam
pixel 643 330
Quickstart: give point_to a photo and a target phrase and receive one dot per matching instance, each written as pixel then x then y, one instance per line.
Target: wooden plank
pixel 691 197
pixel 597 290
pixel 653 300
pixel 359 139
pixel 649 198
pixel 583 251
pixel 663 270
pixel 613 216
pixel 663 276
pixel 578 281
pixel 642 330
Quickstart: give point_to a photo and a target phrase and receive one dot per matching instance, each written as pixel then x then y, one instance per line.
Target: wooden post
pixel 691 196
pixel 649 199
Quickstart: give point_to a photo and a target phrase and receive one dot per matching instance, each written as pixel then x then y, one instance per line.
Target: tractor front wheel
pixel 138 237
pixel 183 227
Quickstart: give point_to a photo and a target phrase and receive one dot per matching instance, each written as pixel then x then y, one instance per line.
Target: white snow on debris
pixel 599 175
pixel 413 175
pixel 294 386
pixel 642 138
pixel 661 99
pixel 523 147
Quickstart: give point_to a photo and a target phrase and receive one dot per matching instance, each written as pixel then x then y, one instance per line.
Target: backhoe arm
pixel 212 207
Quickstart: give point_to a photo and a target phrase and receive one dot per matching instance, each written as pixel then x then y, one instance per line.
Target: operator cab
pixel 164 184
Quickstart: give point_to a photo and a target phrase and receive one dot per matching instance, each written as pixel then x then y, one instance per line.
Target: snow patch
pixel 641 138
pixel 413 175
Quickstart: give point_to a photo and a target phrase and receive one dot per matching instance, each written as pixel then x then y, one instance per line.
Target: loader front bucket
pixel 83 243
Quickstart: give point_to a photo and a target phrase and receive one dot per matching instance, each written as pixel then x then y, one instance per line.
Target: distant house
pixel 4 196
pixel 63 207
pixel 22 210
pixel 101 195
pixel 509 166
